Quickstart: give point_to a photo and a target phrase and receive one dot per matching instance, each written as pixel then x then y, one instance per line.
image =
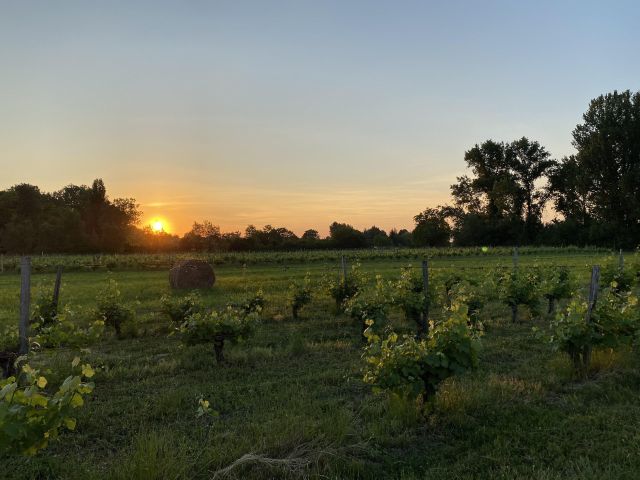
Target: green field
pixel 291 400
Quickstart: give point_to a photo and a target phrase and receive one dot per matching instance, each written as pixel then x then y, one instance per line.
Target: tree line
pixel 595 192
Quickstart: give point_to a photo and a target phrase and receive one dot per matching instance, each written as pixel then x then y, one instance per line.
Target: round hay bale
pixel 189 274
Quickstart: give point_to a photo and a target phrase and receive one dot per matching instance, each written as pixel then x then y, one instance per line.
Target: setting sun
pixel 157 226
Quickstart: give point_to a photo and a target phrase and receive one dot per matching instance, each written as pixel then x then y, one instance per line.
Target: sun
pixel 157 226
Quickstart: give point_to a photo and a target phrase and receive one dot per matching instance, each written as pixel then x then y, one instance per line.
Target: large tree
pixel 599 187
pixel 502 199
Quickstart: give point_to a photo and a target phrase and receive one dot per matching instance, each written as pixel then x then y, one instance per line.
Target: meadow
pixel 290 401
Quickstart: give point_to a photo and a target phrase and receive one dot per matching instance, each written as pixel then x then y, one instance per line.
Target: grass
pixel 292 404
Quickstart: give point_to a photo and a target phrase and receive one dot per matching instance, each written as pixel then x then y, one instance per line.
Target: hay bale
pixel 189 274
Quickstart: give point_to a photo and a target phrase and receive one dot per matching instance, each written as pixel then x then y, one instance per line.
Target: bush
pixel 408 294
pixel 110 309
pixel 619 280
pixel 253 304
pixel 45 311
pixel 518 288
pixel 614 322
pixel 411 367
pixel 342 289
pixel 299 295
pixel 470 295
pixel 363 307
pixel 230 324
pixel 68 331
pixel 557 283
pixel 29 418
pixel 179 309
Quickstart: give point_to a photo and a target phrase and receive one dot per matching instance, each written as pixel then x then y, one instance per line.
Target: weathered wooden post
pixel 593 298
pixel 344 269
pixel 424 323
pixel 25 303
pixel 56 288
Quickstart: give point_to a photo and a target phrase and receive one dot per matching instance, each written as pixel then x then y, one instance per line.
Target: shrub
pixel 618 279
pixel 230 324
pixel 341 289
pixel 253 304
pixel 557 283
pixel 517 288
pixel 179 309
pixel 408 294
pixel 470 295
pixel 45 311
pixel 373 306
pixel 30 418
pixel 111 310
pixel 68 331
pixel 299 295
pixel 411 367
pixel 614 322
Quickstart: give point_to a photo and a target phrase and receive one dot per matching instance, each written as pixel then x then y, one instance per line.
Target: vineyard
pixel 446 364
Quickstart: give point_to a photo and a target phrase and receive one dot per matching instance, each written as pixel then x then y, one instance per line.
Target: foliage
pixel 229 324
pixel 556 283
pixel 598 185
pixel 68 331
pixel 341 289
pixel 111 310
pixel 411 367
pixel 9 338
pixel 299 295
pixel 180 308
pixel 408 294
pixel 45 311
pixel 465 292
pixel 432 229
pixel 252 304
pixel 615 321
pixel 618 279
pixel 519 288
pixel 30 418
pixel 365 306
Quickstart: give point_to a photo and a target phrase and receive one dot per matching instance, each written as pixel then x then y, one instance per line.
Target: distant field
pixel 48 263
pixel 293 395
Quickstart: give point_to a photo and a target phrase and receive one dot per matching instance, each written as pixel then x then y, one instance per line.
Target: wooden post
pixel 56 288
pixel 424 326
pixel 344 269
pixel 621 261
pixel 25 302
pixel 593 298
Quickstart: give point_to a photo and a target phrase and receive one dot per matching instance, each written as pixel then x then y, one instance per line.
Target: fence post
pixel 56 288
pixel 593 298
pixel 424 327
pixel 25 302
pixel 621 261
pixel 344 269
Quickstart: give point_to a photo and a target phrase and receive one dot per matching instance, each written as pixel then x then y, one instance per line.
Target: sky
pixel 294 113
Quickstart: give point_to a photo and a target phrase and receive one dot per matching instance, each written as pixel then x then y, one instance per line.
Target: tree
pixel 501 203
pixel 432 228
pixel 376 237
pixel 345 236
pixel 602 181
pixel 529 161
pixel 311 235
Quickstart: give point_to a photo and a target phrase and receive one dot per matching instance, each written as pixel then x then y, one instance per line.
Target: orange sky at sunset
pixel 293 114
